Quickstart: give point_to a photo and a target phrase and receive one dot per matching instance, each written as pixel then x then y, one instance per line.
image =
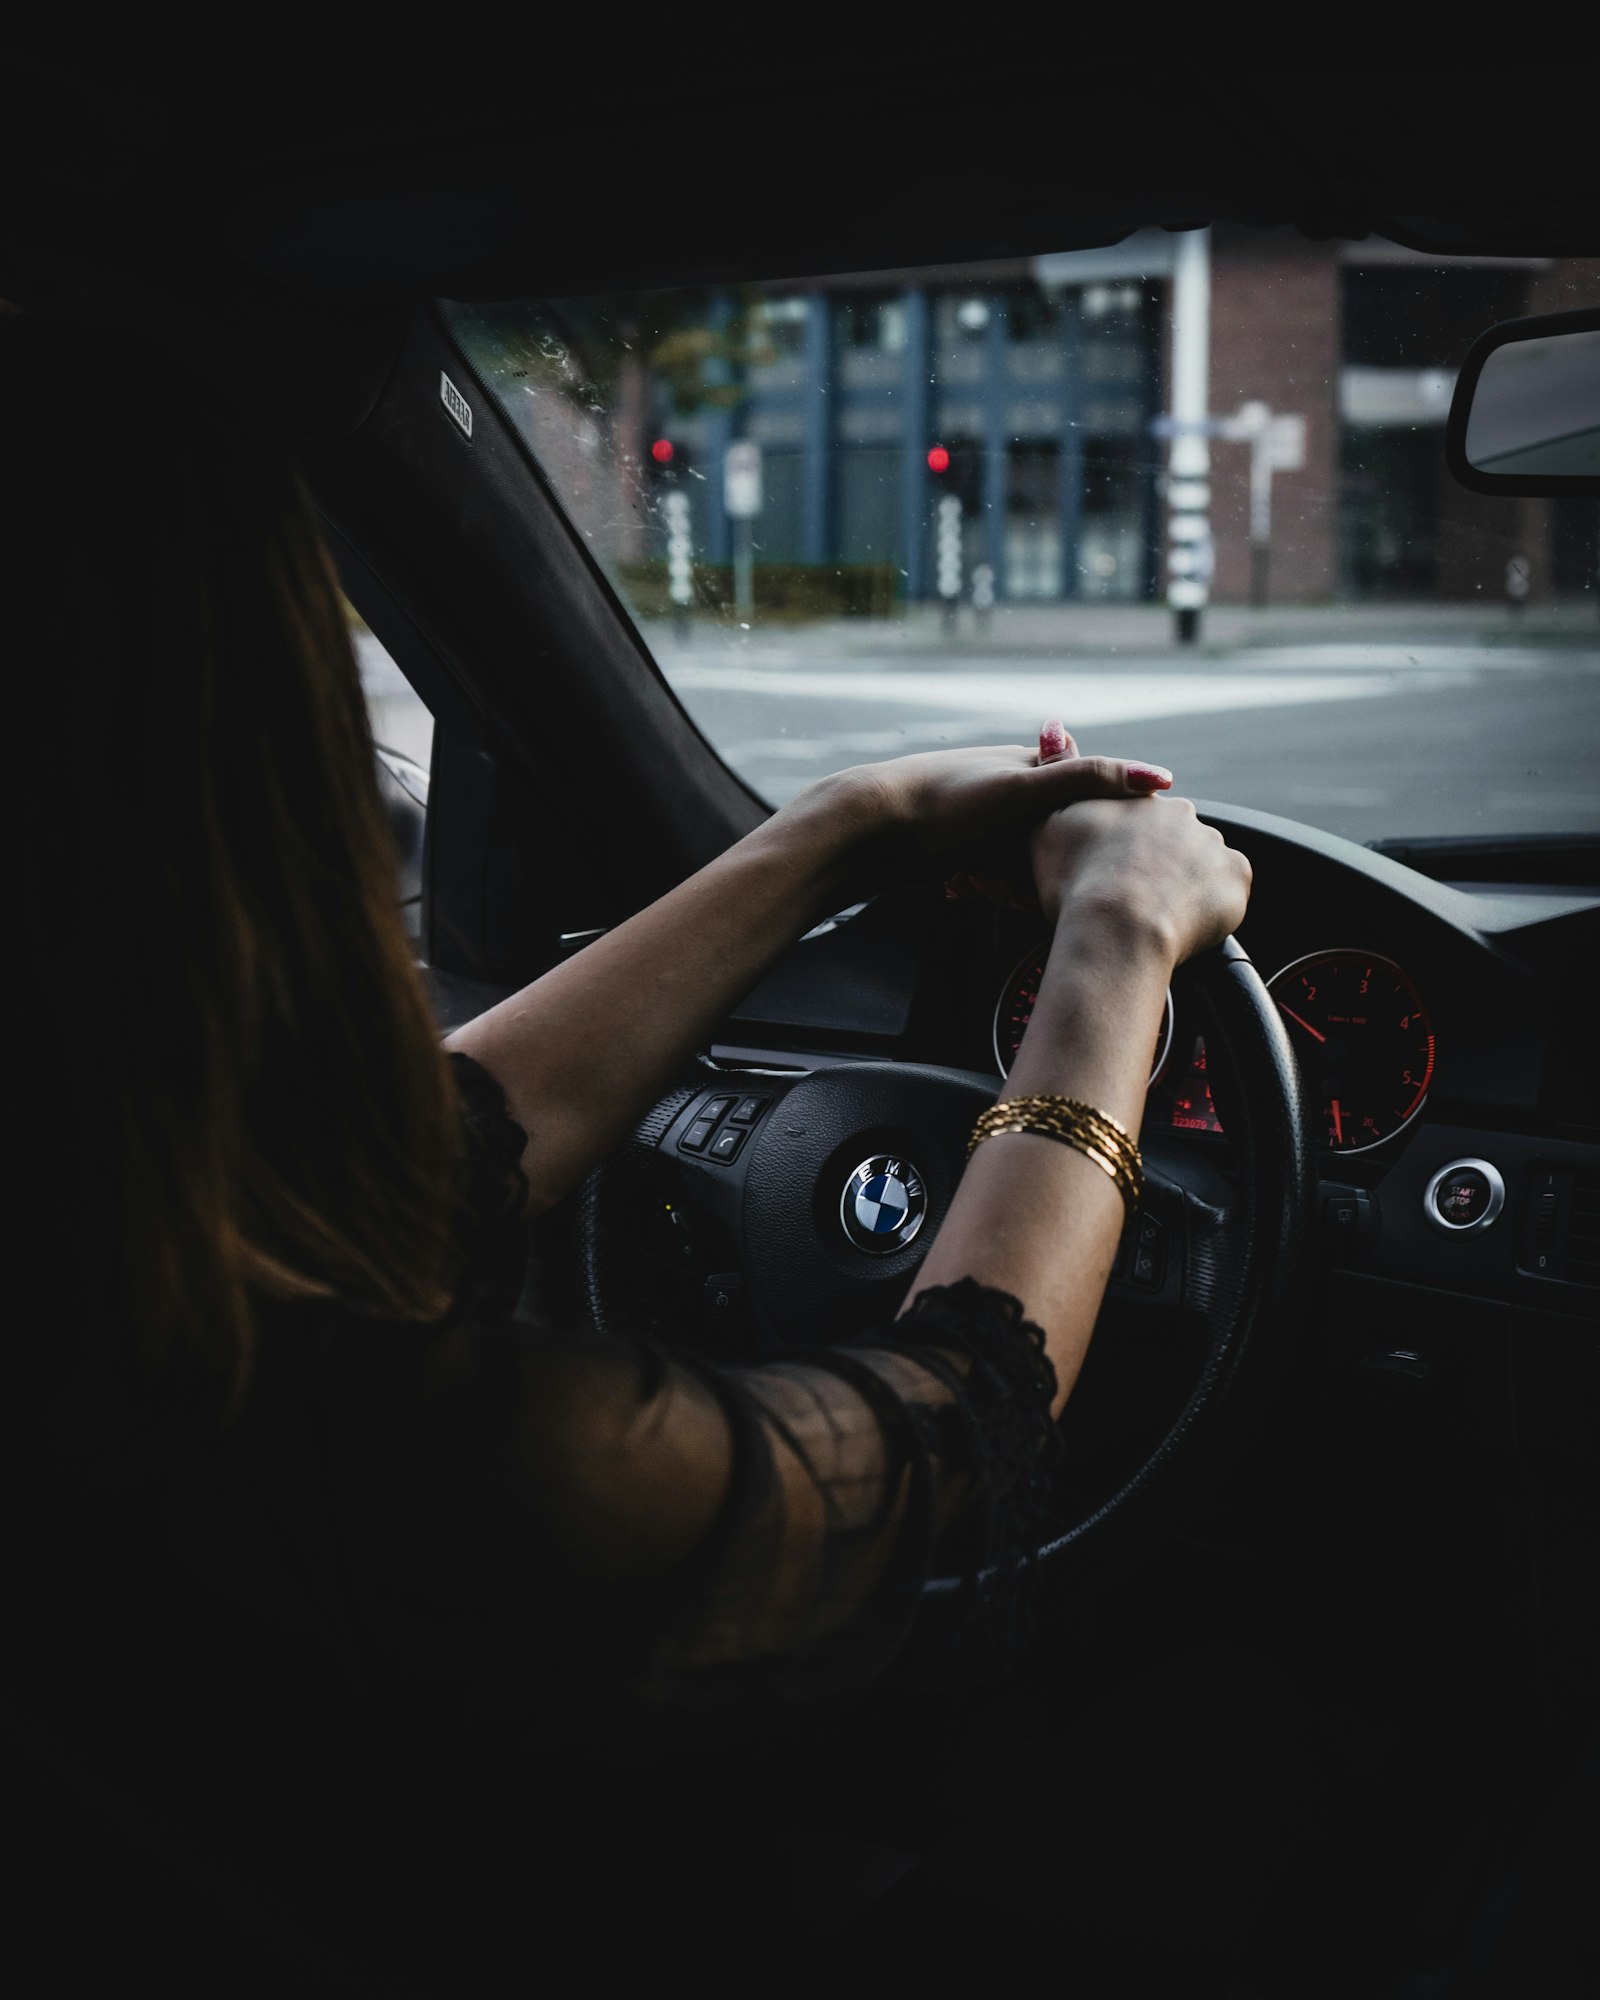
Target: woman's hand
pixel 945 806
pixel 585 1050
pixel 1148 867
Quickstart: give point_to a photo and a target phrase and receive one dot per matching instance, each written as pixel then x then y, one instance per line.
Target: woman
pixel 321 1528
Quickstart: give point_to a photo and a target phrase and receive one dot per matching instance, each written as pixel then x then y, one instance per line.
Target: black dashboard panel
pixel 1503 969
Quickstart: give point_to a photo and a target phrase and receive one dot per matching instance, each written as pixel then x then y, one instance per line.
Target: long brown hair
pixel 258 1102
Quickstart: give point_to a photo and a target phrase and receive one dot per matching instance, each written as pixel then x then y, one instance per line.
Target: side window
pixel 402 735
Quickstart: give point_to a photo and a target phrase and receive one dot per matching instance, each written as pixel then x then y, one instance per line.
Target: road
pixel 1458 725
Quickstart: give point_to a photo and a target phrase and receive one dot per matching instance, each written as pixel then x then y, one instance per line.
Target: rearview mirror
pixel 1526 414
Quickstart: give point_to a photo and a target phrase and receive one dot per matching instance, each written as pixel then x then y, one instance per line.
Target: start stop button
pixel 1464 1196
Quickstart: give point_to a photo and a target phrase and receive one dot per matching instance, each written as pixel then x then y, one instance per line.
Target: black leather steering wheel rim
pixel 1245 1260
pixel 1249 1262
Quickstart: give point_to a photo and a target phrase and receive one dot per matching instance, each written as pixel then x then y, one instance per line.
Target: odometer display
pixel 1364 1041
pixel 1014 1010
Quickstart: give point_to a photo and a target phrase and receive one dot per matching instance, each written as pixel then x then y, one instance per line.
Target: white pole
pixel 744 570
pixel 1260 511
pixel 947 550
pixel 1189 552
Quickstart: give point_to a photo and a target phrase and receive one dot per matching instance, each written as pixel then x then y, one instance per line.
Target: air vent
pixel 1583 1230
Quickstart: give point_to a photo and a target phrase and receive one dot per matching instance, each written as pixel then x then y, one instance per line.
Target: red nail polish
pixel 1052 741
pixel 1149 777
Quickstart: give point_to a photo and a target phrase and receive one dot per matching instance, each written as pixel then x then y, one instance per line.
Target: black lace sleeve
pixel 843 1477
pixel 990 1424
pixel 670 1544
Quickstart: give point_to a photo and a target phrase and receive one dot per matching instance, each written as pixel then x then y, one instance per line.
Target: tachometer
pixel 1014 1010
pixel 1364 1041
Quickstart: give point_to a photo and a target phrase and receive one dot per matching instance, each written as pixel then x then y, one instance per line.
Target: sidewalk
pixel 1055 630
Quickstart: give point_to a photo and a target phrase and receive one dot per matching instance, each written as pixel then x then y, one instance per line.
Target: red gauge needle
pixel 1338 1122
pixel 1314 1033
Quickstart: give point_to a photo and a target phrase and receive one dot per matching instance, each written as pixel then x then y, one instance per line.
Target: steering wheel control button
pixel 1349 1215
pixel 748 1110
pixel 725 1146
pixel 715 1108
pixel 722 1292
pixel 1147 1267
pixel 1464 1197
pixel 884 1204
pixel 694 1139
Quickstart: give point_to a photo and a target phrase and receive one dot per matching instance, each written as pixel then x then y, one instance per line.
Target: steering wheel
pixel 825 1190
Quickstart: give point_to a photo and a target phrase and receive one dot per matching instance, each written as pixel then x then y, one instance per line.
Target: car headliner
pixel 552 170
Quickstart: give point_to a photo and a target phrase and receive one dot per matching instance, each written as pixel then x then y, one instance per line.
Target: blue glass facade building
pixel 1040 387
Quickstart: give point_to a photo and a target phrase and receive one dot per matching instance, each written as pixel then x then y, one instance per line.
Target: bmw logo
pixel 884 1204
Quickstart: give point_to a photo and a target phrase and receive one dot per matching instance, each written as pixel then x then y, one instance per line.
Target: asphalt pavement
pixel 1374 721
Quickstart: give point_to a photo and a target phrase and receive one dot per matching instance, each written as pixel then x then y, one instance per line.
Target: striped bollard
pixel 680 569
pixel 1189 554
pixel 947 553
pixel 1191 559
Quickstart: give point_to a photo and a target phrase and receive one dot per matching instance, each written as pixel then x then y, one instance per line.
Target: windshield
pixel 1186 493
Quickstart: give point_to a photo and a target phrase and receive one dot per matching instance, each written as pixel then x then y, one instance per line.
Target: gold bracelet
pixel 1075 1124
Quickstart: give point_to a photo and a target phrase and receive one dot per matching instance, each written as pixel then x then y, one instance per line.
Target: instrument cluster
pixel 1357 1023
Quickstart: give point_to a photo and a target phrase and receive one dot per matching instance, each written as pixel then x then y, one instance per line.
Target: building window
pixel 1033 520
pixel 779 529
pixel 1111 301
pixel 1033 314
pixel 873 321
pixel 960 316
pixel 869 504
pixel 783 321
pixel 1113 561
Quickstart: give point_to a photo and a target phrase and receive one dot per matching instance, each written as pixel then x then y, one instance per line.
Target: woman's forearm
pixel 584 1051
pixel 1035 1217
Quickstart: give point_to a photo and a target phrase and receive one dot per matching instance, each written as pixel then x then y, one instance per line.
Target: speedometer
pixel 1364 1041
pixel 1014 1010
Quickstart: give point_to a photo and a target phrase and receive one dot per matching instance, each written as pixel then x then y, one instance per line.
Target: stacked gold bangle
pixel 1096 1136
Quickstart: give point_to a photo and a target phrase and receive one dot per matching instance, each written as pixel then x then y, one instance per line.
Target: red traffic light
pixel 938 459
pixel 661 451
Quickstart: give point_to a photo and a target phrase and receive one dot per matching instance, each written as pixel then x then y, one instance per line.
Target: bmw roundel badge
pixel 884 1204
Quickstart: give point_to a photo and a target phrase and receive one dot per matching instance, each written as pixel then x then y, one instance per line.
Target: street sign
pixel 1247 425
pixel 1286 443
pixel 741 480
pixel 1277 442
pixel 1283 437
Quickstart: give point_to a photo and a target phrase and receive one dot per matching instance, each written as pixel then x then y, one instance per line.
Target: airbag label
pixel 455 403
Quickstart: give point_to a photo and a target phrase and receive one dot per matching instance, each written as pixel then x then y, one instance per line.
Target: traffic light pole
pixel 1189 546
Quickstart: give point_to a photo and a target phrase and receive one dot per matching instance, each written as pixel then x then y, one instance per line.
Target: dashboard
pixel 1443 1034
